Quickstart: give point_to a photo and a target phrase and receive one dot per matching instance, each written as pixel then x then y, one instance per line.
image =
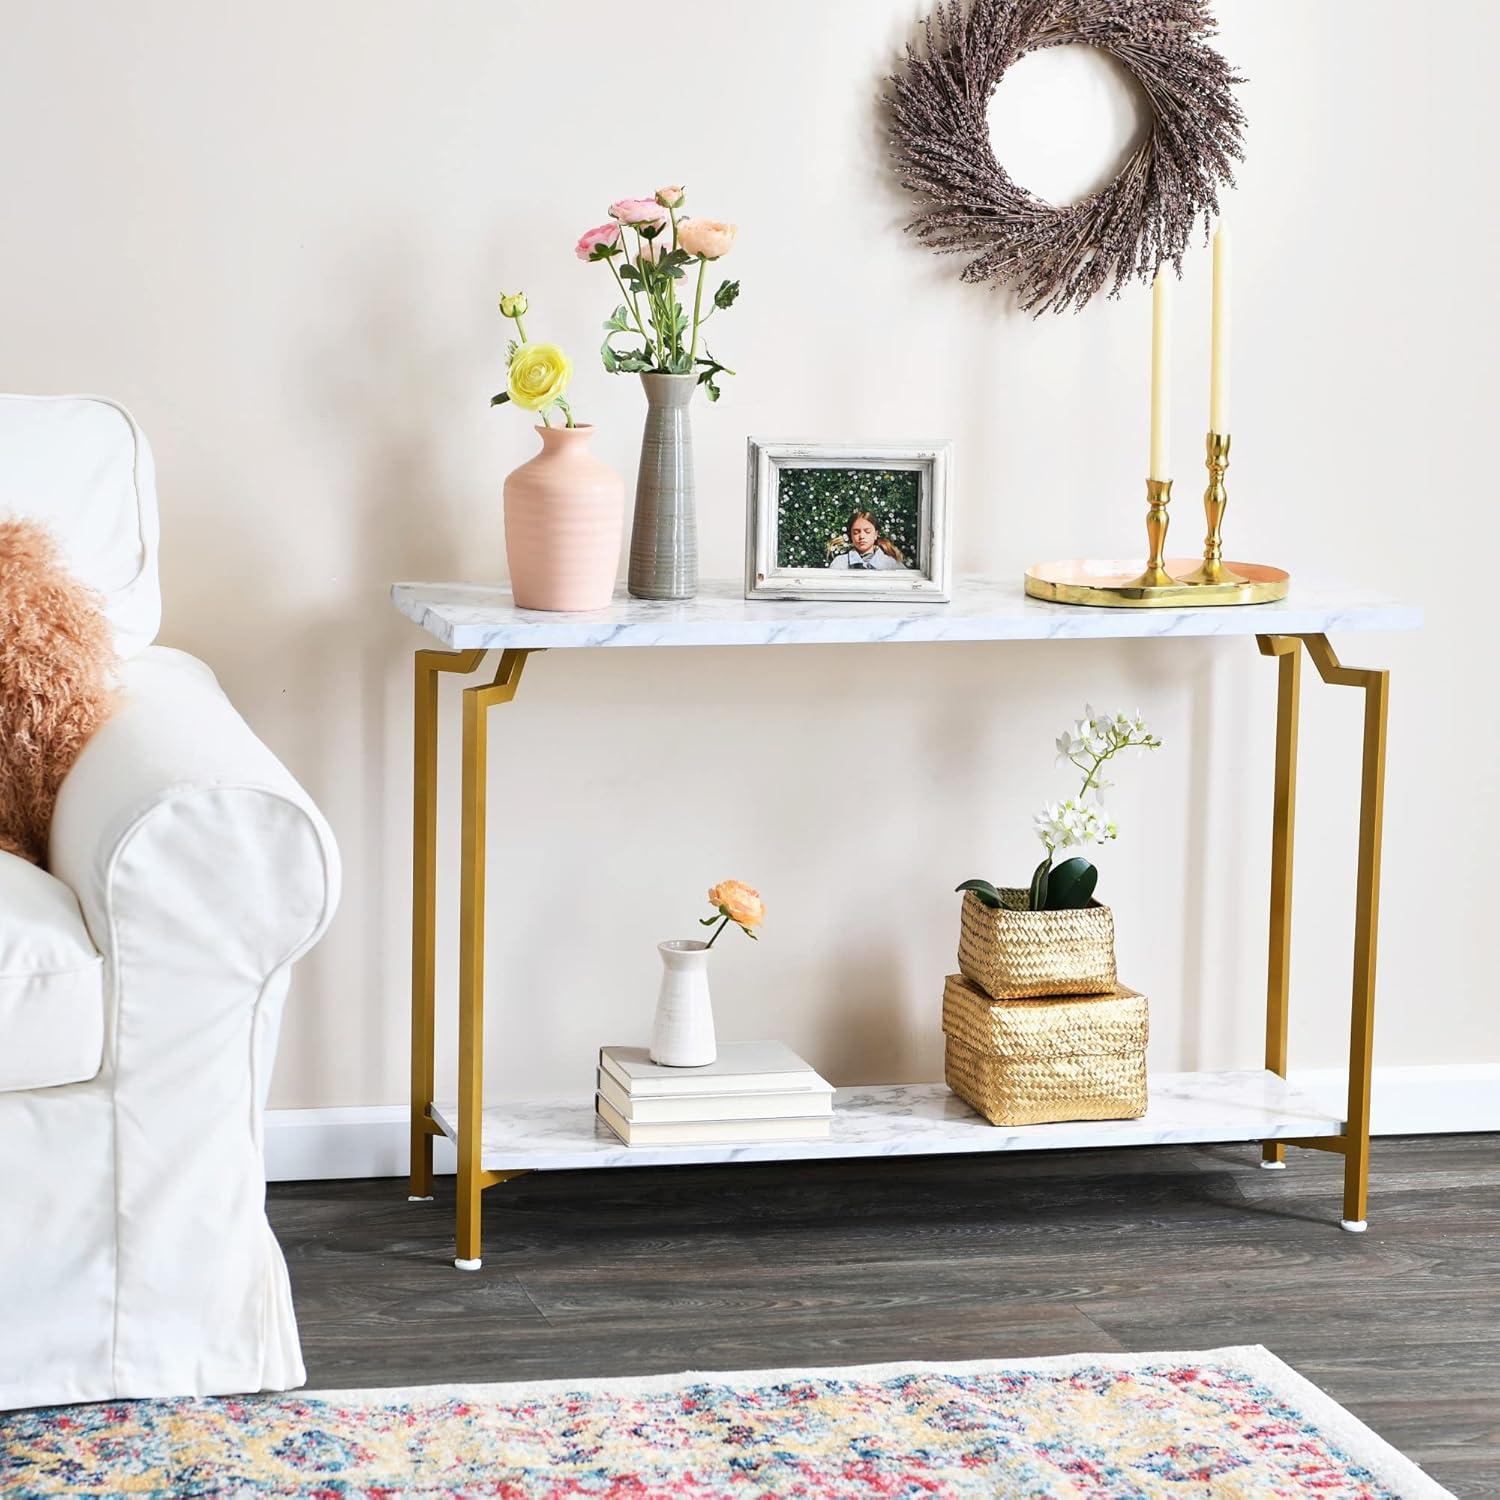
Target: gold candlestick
pixel 1159 496
pixel 1167 582
pixel 1215 500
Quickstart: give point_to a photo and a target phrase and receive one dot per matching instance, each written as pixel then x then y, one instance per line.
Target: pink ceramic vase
pixel 564 516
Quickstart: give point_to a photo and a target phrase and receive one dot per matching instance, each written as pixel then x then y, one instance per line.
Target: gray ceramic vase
pixel 664 536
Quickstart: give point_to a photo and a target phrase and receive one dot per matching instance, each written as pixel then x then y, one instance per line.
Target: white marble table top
pixel 912 1119
pixel 466 616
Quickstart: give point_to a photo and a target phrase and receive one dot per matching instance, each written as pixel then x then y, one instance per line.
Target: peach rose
pixel 738 902
pixel 709 238
pixel 671 197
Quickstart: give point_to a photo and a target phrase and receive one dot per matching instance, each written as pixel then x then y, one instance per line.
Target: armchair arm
pixel 174 807
pixel 203 871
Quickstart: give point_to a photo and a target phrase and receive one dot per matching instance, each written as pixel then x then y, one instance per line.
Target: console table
pixel 502 1141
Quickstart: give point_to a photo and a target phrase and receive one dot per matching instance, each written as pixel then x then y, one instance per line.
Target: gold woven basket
pixel 1033 1062
pixel 1013 953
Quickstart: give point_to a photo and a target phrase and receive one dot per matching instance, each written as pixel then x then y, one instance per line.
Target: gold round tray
pixel 1116 584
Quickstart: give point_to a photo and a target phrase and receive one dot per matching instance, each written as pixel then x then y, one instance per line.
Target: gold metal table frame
pixel 1353 1144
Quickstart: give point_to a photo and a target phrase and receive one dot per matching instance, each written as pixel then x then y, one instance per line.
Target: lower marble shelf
pixel 911 1119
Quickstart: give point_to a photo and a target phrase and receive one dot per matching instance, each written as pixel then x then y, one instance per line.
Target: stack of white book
pixel 754 1091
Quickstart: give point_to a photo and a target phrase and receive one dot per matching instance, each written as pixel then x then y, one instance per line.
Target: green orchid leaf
pixel 984 891
pixel 1071 885
pixel 1039 882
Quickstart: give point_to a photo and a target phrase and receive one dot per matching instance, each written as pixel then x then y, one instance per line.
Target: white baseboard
pixel 371 1141
pixel 1436 1099
pixel 367 1141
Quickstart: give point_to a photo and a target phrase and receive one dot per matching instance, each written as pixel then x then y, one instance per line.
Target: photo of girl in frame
pixel 866 546
pixel 847 521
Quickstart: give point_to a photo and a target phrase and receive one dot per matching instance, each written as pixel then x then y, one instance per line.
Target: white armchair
pixel 141 986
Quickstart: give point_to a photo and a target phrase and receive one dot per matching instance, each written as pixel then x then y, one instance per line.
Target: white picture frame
pixel 782 568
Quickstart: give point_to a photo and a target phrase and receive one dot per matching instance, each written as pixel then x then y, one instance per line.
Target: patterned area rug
pixel 1229 1422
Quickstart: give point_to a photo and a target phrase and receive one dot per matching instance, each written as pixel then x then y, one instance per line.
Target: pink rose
pixel 597 243
pixel 709 238
pixel 671 197
pixel 638 211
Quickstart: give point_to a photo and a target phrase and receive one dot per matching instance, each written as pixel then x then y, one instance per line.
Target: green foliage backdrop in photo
pixel 813 506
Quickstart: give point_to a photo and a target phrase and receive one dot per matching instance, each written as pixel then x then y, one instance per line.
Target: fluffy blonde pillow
pixel 56 654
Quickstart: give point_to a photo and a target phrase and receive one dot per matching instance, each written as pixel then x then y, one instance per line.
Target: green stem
pixel 567 411
pixel 628 298
pixel 676 337
pixel 520 328
pixel 646 268
pixel 717 930
pixel 698 306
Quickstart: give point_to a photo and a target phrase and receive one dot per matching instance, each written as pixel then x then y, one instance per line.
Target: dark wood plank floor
pixel 636 1272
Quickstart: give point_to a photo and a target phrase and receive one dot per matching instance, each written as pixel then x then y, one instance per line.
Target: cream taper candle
pixel 1218 380
pixel 1161 375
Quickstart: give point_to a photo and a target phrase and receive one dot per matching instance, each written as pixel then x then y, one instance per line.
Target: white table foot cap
pixel 417 1198
pixel 468 1265
pixel 1354 1226
pixel 1273 1166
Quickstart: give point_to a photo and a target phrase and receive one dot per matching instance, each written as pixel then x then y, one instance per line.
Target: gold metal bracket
pixel 1354 1144
pixel 1338 1144
pixel 473 1177
pixel 1288 651
pixel 477 703
pixel 427 665
pixel 495 1179
pixel 477 700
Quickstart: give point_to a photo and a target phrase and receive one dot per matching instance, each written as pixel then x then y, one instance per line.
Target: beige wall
pixel 277 231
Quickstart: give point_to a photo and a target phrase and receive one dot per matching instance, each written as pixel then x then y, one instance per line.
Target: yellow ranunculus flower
pixel 539 374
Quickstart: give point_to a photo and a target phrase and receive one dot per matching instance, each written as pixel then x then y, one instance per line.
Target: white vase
pixel 682 1035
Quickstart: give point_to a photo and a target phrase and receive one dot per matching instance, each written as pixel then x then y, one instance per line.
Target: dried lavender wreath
pixel 1057 258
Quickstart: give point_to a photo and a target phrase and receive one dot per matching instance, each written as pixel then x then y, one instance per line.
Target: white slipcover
pixel 135 1256
pixel 80 465
pixel 51 982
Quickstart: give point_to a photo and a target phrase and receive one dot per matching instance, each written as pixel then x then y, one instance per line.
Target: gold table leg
pixel 424 901
pixel 1354 1144
pixel 1376 685
pixel 472 1178
pixel 1288 651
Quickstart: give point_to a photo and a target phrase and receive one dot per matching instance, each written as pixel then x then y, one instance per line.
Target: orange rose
pixel 738 902
pixel 709 238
